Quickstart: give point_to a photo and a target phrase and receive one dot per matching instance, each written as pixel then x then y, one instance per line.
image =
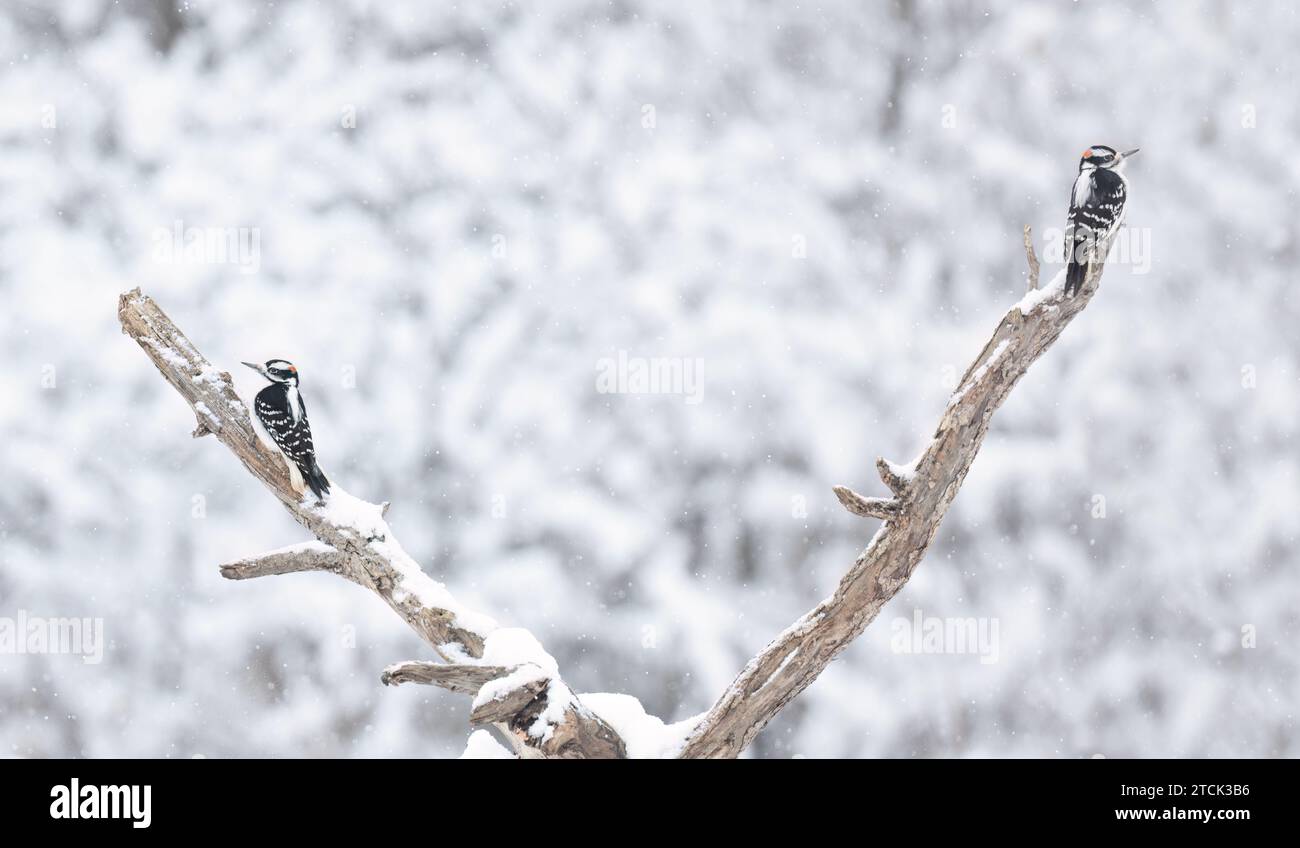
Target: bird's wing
pixel 293 439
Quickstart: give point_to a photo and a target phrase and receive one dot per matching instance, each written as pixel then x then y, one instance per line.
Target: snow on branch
pixel 921 493
pixel 355 542
pixel 515 684
pixel 499 693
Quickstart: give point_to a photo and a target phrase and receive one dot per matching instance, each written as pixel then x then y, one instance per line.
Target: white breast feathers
pixel 295 405
pixel 1083 188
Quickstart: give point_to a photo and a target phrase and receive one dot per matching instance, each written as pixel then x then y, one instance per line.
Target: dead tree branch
pixel 462 679
pixel 1031 258
pixel 355 542
pixel 922 493
pixel 500 694
pixel 882 508
pixel 523 695
pixel 311 556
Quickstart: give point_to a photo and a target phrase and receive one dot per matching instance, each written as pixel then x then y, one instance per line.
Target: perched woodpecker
pixel 280 408
pixel 1096 210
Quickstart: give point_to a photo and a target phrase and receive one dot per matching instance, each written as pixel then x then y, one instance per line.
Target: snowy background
pixel 461 210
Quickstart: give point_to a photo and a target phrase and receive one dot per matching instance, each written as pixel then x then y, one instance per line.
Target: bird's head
pixel 277 371
pixel 1101 156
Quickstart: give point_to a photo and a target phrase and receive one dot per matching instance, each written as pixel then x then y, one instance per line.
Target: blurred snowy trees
pixel 461 209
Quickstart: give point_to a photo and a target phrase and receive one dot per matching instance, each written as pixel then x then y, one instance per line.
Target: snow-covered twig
pixel 922 493
pixel 355 542
pixel 506 697
pixel 894 476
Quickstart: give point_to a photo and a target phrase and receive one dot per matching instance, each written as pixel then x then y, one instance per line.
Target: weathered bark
pixel 1031 282
pixel 354 542
pixel 319 557
pixel 462 679
pixel 511 698
pixel 520 699
pixel 505 698
pixel 921 494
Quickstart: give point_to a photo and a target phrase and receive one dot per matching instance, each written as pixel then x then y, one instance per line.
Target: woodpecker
pixel 1096 209
pixel 280 408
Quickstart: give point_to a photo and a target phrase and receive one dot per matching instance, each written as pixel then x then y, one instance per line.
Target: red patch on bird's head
pixel 293 369
pixel 1087 154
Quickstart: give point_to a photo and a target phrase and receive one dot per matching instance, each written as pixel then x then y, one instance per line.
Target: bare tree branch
pixel 893 476
pixel 883 508
pixel 506 697
pixel 501 695
pixel 525 699
pixel 311 556
pixel 1031 258
pixel 922 494
pixel 462 679
pixel 356 543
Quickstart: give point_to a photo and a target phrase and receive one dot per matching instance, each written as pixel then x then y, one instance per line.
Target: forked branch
pixel 922 493
pixel 519 690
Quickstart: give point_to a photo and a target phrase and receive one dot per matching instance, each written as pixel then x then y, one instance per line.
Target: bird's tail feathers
pixel 1075 273
pixel 315 479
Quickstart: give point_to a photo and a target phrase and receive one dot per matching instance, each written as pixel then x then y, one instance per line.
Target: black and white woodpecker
pixel 280 408
pixel 1096 210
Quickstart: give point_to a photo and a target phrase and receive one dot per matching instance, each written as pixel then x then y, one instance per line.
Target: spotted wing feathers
pixel 289 429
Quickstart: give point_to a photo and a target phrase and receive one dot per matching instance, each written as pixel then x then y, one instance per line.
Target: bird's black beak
pixel 261 369
pixel 1128 153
